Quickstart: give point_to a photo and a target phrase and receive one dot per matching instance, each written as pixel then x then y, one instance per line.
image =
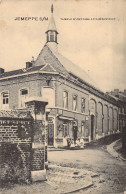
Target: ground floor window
pixel 65 130
pixel 82 128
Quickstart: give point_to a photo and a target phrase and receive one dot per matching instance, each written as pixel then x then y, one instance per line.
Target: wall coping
pixel 14 114
pixel 37 99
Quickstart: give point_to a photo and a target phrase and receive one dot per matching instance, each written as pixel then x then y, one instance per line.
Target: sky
pixel 97 46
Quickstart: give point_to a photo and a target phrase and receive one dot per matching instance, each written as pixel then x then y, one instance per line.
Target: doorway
pixel 92 127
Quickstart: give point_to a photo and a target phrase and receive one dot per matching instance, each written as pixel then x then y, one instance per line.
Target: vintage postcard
pixel 62 96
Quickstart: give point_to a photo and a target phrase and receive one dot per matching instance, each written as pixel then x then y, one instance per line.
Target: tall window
pixel 5 100
pixel 65 99
pixel 51 36
pixel 65 130
pixel 120 110
pixel 74 102
pixel 23 96
pixel 82 129
pixel 82 105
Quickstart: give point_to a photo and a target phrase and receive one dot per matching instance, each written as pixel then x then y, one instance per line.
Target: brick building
pixel 78 109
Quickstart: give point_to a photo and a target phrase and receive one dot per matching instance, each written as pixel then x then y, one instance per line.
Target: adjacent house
pixel 121 97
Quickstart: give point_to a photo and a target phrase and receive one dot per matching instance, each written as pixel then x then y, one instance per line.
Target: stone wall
pixel 22 145
pixel 15 146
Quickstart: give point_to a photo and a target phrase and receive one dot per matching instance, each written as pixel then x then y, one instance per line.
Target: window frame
pixel 6 104
pixel 26 88
pixel 76 102
pixel 83 122
pixel 52 36
pixel 67 99
pixel 84 104
pixel 64 129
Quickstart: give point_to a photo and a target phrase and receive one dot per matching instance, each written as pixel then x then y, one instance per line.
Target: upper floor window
pixel 82 105
pixel 65 99
pixel 74 102
pixel 5 100
pixel 23 96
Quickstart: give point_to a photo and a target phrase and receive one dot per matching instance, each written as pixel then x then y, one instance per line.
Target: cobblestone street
pixel 110 172
pixel 66 179
pixel 90 170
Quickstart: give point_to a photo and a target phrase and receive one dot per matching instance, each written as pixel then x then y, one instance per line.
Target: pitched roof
pixel 50 61
pixel 47 56
pixel 52 25
pixel 62 64
pixel 48 68
pixel 73 68
pixel 21 71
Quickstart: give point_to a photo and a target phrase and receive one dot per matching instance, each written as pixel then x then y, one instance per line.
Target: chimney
pixel 1 70
pixel 28 64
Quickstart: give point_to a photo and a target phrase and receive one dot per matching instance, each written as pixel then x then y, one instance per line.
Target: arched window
pixel 65 99
pixel 74 103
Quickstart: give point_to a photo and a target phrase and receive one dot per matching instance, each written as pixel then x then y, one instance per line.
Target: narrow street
pixel 110 172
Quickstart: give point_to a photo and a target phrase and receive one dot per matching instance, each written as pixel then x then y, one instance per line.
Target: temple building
pixel 77 109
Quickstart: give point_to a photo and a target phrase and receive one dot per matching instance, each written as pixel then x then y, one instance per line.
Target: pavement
pixel 90 170
pixel 111 150
pixel 110 171
pixel 59 180
pixel 67 180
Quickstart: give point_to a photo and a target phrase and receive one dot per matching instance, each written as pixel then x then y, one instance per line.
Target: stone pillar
pixel 36 106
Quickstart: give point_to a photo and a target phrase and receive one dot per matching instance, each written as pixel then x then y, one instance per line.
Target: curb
pixel 86 187
pixel 122 158
pixel 111 150
pixel 56 149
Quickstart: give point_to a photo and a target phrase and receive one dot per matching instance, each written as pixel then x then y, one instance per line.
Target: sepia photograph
pixel 62 96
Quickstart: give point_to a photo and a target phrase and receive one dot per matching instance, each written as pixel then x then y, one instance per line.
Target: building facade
pixel 121 97
pixel 77 109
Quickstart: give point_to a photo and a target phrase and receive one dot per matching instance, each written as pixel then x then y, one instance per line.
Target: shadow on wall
pixel 11 164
